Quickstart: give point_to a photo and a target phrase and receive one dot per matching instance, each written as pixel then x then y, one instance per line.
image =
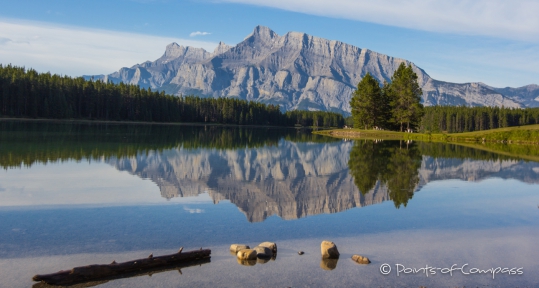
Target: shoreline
pixel 144 123
pixel 521 149
pixel 528 135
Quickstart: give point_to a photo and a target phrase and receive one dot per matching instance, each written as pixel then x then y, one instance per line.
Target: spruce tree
pixel 405 96
pixel 368 104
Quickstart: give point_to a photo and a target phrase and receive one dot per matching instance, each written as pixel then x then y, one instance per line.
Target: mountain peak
pixel 173 50
pixel 299 71
pixel 263 32
pixel 221 48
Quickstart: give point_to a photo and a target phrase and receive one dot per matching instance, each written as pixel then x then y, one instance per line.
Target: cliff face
pixel 469 94
pixel 527 95
pixel 298 71
pixel 293 180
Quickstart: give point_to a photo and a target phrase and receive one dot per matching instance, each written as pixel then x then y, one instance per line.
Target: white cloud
pixel 79 51
pixel 199 33
pixel 516 19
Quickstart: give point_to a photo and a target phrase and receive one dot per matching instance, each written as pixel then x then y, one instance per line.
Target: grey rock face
pixel 298 71
pixel 527 95
pixel 221 48
pixel 468 94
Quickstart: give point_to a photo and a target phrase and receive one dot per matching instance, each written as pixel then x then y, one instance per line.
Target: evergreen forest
pixel 396 105
pixel 29 94
pixel 454 119
pixel 25 93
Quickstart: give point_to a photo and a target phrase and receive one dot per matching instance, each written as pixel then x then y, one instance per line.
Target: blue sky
pixel 490 41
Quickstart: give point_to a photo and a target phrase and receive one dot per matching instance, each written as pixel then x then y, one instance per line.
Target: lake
pixel 74 194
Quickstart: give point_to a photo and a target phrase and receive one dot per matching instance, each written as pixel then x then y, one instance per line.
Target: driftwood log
pixel 132 268
pixel 144 272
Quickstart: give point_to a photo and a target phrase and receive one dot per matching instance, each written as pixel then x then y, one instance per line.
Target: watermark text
pixel 465 269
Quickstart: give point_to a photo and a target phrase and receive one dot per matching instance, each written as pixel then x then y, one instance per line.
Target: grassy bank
pixel 528 134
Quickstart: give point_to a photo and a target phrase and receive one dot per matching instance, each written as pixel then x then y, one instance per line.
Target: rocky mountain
pixel 298 71
pixel 294 180
pixel 527 95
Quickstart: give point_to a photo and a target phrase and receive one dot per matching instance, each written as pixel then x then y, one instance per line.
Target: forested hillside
pixel 26 93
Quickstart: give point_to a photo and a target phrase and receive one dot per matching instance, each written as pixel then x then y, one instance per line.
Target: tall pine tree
pixel 368 104
pixel 405 96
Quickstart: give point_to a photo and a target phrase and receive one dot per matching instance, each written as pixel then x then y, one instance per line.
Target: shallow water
pixel 79 194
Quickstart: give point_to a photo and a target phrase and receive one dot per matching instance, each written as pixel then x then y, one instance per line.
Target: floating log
pixel 144 272
pixel 125 269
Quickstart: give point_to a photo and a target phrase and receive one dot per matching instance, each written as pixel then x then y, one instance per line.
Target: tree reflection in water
pixel 393 164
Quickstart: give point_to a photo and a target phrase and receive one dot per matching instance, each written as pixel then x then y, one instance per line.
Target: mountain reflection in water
pixel 291 179
pixel 264 172
pixel 294 180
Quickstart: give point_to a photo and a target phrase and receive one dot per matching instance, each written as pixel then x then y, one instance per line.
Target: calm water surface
pixel 79 194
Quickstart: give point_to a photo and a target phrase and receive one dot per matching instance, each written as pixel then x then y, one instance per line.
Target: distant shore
pixel 144 123
pixel 528 134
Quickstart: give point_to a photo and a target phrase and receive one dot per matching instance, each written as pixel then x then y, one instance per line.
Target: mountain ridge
pixel 298 71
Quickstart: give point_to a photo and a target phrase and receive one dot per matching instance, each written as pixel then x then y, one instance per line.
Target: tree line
pixel 29 94
pixel 454 119
pixel 396 105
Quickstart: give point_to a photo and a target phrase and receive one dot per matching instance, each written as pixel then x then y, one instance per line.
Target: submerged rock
pixel 246 254
pixel 262 260
pixel 234 248
pixel 360 259
pixel 263 252
pixel 329 250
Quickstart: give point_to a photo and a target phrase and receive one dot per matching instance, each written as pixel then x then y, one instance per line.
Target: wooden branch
pixel 127 269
